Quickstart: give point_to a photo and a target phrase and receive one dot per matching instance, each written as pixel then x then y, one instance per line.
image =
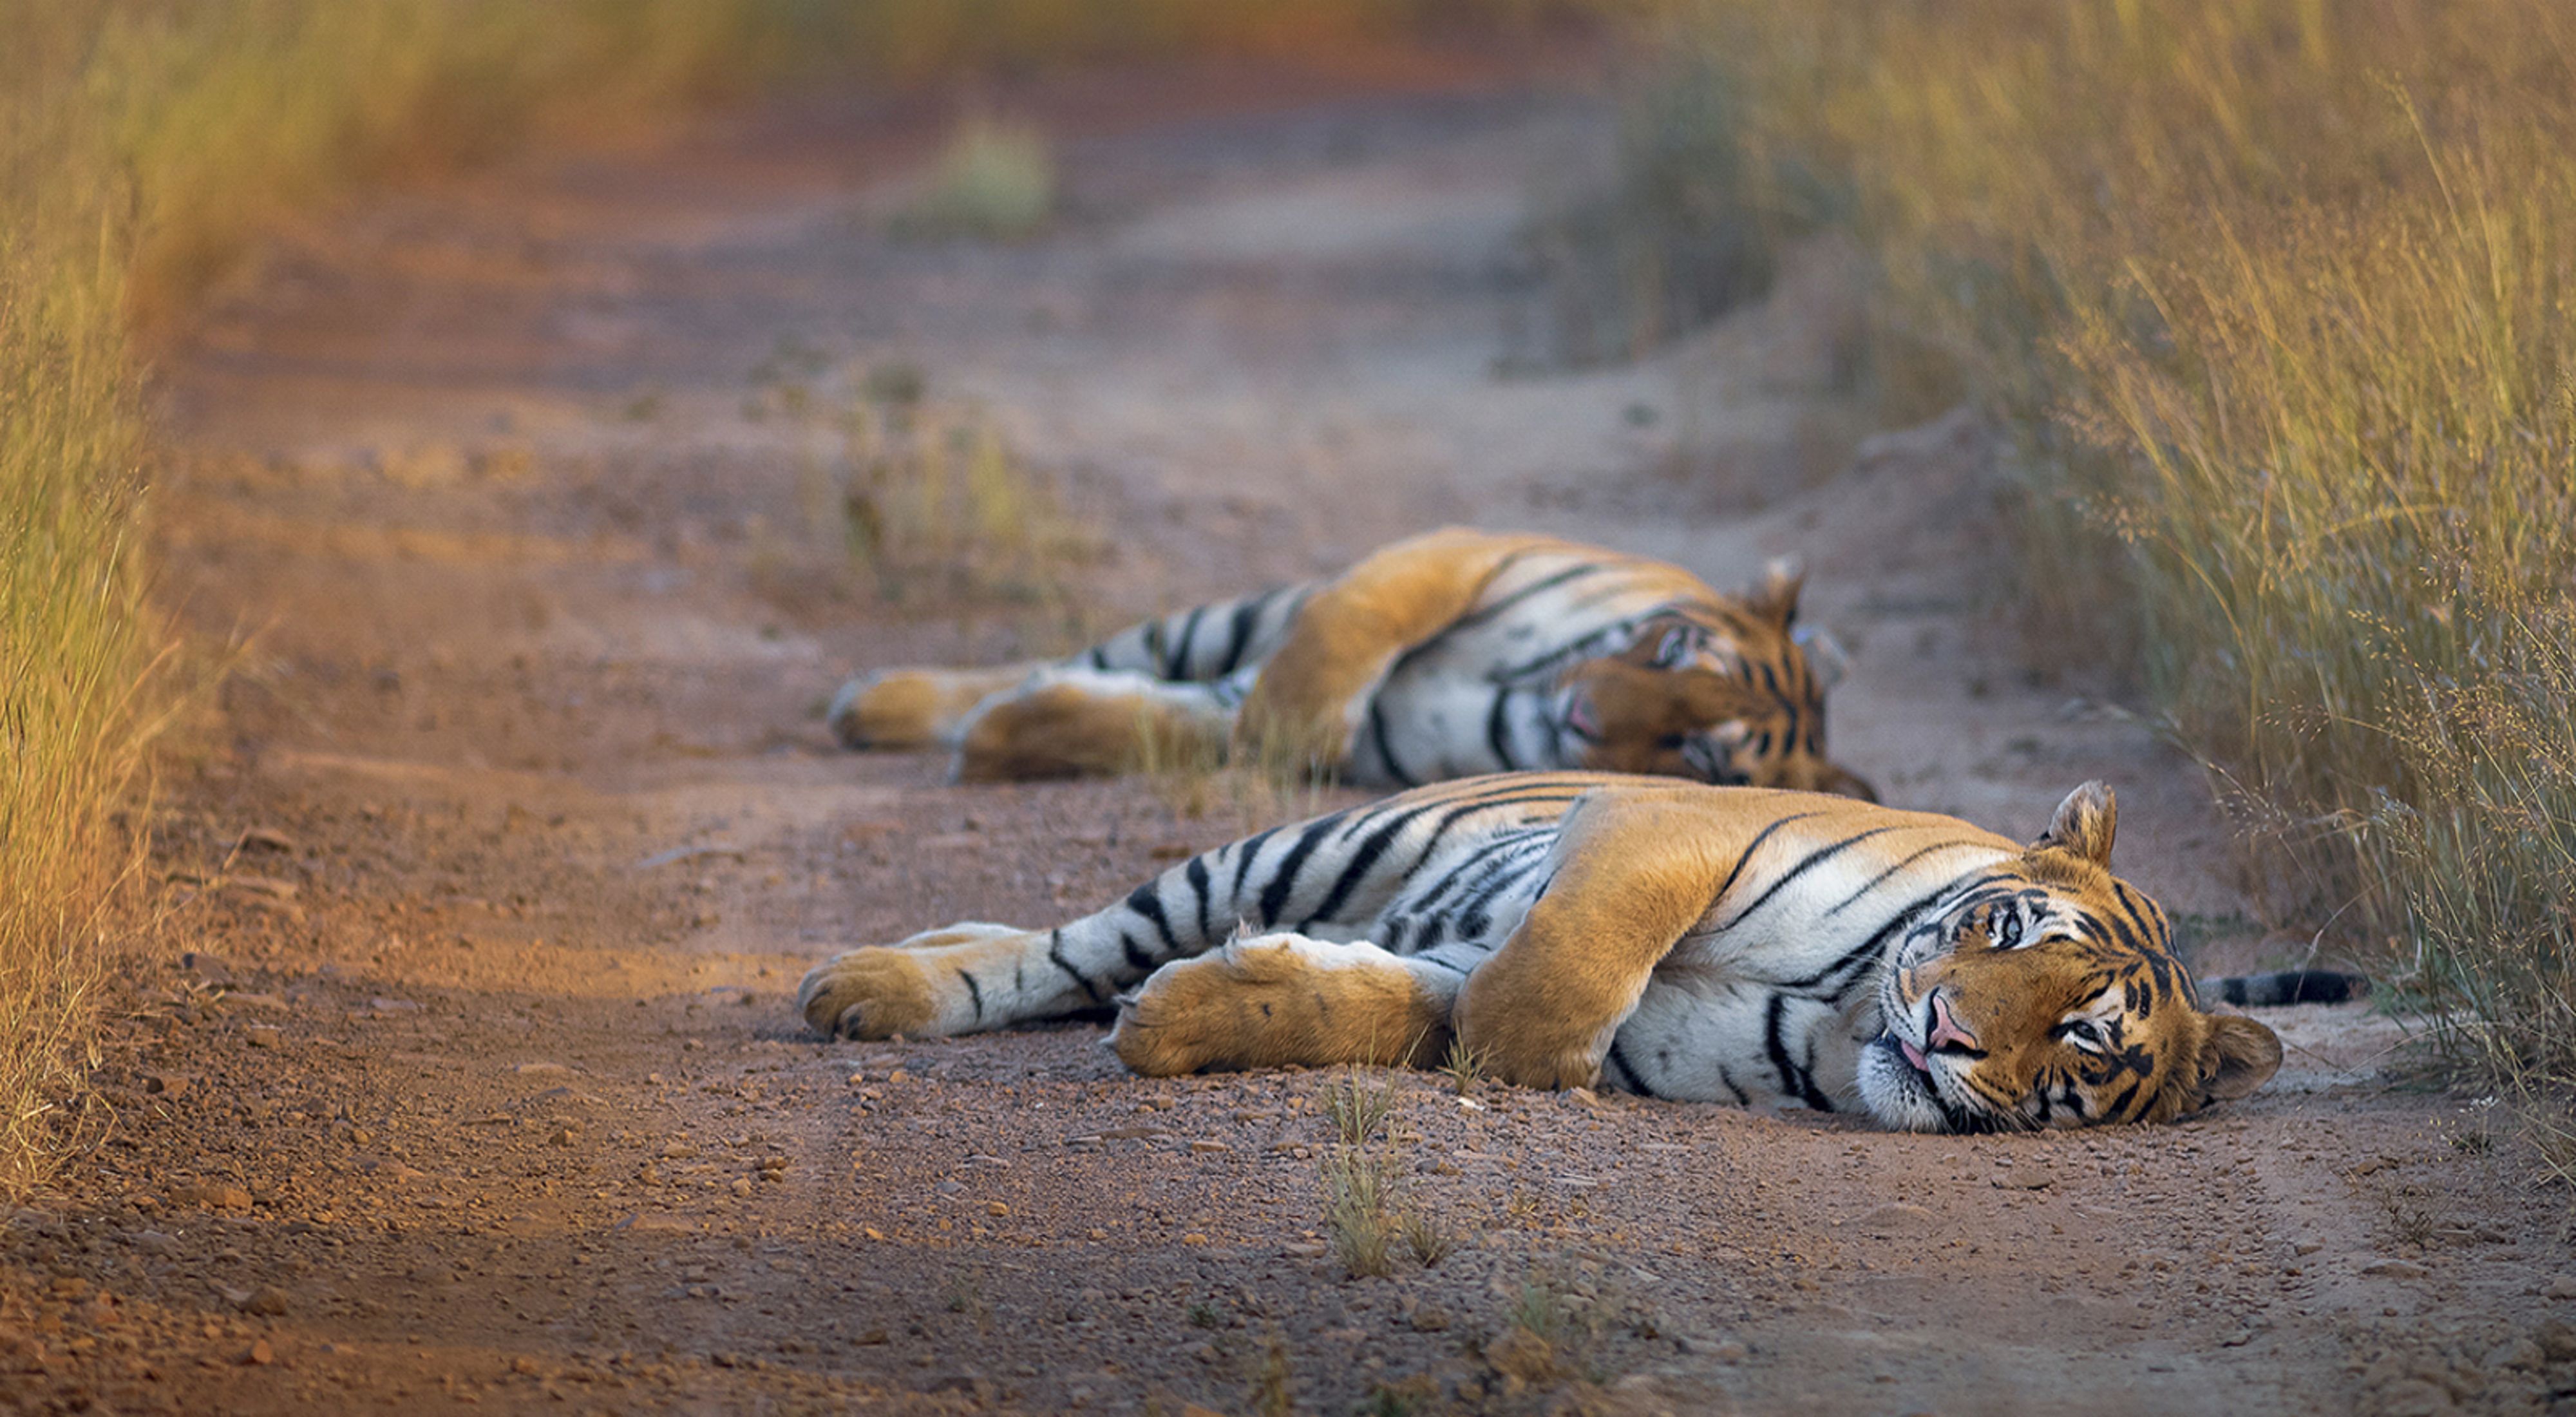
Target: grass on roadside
pixel 2278 294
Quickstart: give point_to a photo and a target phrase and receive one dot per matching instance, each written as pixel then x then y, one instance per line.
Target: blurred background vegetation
pixel 2272 295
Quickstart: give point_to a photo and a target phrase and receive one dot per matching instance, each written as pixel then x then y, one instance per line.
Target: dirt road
pixel 482 1085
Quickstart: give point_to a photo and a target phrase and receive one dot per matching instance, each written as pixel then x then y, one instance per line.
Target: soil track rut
pixel 482 1086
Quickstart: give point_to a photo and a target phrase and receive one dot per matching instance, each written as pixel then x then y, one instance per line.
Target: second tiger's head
pixel 1729 698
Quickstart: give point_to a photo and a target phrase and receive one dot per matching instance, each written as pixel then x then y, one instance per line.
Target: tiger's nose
pixel 1946 1029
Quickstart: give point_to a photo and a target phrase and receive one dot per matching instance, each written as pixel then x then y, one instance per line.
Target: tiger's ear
pixel 1776 600
pixel 2239 1056
pixel 2084 824
pixel 1827 660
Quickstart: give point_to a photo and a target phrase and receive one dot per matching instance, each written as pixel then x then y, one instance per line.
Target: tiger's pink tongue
pixel 1915 1056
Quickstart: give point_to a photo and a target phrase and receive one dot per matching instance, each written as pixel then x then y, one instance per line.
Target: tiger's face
pixel 2048 995
pixel 1738 705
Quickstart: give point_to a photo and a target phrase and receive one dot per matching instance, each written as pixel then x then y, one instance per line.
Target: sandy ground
pixel 480 1085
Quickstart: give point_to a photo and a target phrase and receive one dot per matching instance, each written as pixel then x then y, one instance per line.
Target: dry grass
pixel 1359 1194
pixel 992 179
pixel 2278 292
pixel 1368 1211
pixel 1463 1066
pixel 935 505
pixel 1358 1104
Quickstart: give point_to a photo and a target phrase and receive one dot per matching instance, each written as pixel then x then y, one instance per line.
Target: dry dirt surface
pixel 479 1082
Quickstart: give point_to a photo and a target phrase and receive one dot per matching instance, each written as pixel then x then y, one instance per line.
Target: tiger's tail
pixel 2288 986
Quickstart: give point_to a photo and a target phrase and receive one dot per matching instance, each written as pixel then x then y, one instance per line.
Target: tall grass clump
pixel 2277 294
pixel 73 650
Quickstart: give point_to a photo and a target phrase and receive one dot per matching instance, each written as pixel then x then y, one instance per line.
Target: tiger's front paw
pixel 1525 1048
pixel 1277 1001
pixel 868 993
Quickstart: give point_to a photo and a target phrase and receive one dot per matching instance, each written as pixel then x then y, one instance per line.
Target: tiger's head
pixel 2045 993
pixel 1721 694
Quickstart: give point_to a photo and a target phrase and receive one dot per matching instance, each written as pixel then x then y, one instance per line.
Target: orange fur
pixel 1351 632
pixel 1066 730
pixel 916 708
pixel 1261 1004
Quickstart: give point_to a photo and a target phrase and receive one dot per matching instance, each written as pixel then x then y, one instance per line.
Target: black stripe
pixel 1473 917
pixel 1363 856
pixel 1055 956
pixel 974 992
pixel 1876 943
pixel 1751 847
pixel 1147 900
pixel 1874 881
pixel 1180 660
pixel 1792 1077
pixel 1239 638
pixel 1742 1098
pixel 1138 958
pixel 1498 729
pixel 1466 870
pixel 1813 859
pixel 1248 850
pixel 1100 657
pixel 1636 1080
pixel 1274 896
pixel 1197 873
pixel 2119 1108
pixel 1505 605
pixel 1386 749
pixel 1511 797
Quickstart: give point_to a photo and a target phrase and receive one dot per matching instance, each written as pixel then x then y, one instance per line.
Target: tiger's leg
pixel 1628 875
pixel 1349 633
pixel 1204 642
pixel 1082 722
pixel 969 978
pixel 973 977
pixel 1286 1000
pixel 915 708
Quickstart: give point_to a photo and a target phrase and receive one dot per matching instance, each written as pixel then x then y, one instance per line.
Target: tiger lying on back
pixel 1453 653
pixel 1765 948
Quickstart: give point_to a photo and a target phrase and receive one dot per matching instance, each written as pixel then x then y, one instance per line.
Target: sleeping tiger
pixel 1449 654
pixel 1716 944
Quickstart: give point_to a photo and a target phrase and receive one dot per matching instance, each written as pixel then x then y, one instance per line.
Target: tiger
pixel 1766 948
pixel 1447 655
